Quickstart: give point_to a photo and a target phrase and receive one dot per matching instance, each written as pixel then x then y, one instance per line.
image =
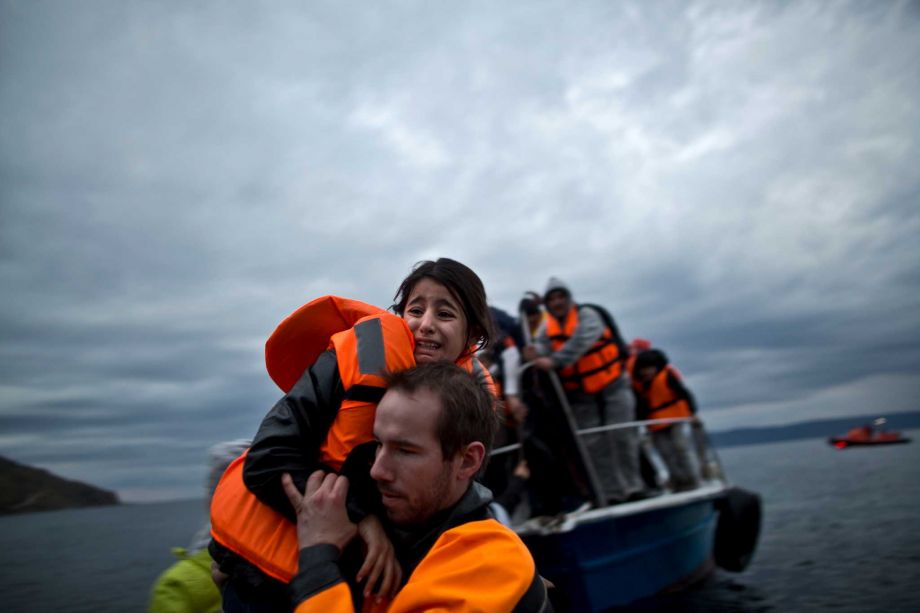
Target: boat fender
pixel 737 529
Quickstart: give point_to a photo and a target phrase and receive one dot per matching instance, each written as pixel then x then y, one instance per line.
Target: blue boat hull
pixel 612 561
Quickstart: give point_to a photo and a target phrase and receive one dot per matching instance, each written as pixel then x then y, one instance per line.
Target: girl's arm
pixel 290 435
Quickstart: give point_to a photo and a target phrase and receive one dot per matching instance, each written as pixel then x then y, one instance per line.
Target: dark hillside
pixel 24 489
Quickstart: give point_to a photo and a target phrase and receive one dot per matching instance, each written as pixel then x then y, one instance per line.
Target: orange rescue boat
pixel 869 434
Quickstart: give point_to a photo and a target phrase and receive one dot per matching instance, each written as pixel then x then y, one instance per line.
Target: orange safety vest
pixel 377 342
pixel 597 368
pixel 476 566
pixel 662 401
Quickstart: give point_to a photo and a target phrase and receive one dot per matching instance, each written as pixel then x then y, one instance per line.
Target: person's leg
pixel 623 444
pixel 705 456
pixel 598 446
pixel 685 468
pixel 662 442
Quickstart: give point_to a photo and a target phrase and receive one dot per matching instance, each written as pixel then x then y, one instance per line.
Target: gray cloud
pixel 736 183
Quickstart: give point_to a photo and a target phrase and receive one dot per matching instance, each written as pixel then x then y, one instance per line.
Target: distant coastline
pixel 822 428
pixel 26 489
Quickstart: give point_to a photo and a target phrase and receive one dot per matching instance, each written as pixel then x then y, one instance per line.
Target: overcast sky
pixel 735 181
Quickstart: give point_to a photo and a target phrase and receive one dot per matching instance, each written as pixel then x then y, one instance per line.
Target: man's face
pixel 558 303
pixel 646 374
pixel 413 477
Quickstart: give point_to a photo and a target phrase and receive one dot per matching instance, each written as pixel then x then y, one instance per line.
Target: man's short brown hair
pixel 467 408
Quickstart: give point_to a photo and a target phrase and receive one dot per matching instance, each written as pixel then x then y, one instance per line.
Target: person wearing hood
pixel 457 557
pixel 187 586
pixel 661 394
pixel 583 345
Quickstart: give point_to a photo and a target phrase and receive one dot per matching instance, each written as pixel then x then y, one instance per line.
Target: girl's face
pixel 437 322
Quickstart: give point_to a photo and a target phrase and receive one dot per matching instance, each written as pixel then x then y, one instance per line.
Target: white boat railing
pixel 608 427
pixel 710 466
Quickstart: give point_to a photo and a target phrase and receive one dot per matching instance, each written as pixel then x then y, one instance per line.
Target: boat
pixel 602 556
pixel 868 434
pixel 611 556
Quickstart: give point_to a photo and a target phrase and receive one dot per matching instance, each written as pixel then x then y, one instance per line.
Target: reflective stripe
pixel 299 340
pixel 371 354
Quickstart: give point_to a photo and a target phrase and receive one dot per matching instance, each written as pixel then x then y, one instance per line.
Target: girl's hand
pixel 380 568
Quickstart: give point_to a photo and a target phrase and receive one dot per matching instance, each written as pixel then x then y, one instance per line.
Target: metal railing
pixel 709 463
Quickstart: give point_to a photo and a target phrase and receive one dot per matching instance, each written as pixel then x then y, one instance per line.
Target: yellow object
pixel 186 586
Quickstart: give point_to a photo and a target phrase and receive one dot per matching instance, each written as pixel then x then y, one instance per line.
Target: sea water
pixel 94 559
pixel 841 533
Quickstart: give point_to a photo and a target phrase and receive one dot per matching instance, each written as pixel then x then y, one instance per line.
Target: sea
pixel 841 532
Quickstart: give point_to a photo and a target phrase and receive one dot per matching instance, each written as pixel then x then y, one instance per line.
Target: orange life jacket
pixel 376 341
pixel 476 566
pixel 598 367
pixel 367 341
pixel 662 401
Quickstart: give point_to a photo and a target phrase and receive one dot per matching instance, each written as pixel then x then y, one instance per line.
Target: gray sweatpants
pixel 615 454
pixel 677 450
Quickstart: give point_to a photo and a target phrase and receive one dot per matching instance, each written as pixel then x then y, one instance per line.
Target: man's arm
pixel 677 385
pixel 590 328
pixel 541 341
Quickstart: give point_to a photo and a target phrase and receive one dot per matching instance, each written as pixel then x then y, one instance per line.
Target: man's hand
pixel 522 470
pixel 321 514
pixel 379 561
pixel 544 363
pixel 530 353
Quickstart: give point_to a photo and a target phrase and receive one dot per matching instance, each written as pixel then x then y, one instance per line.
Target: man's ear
pixel 471 459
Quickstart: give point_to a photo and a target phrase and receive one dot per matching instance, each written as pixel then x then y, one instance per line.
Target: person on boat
pixel 661 394
pixel 582 344
pixel 323 421
pixel 186 586
pixel 635 347
pixel 530 318
pixel 531 311
pixel 433 431
pixel 559 484
pixel 503 359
